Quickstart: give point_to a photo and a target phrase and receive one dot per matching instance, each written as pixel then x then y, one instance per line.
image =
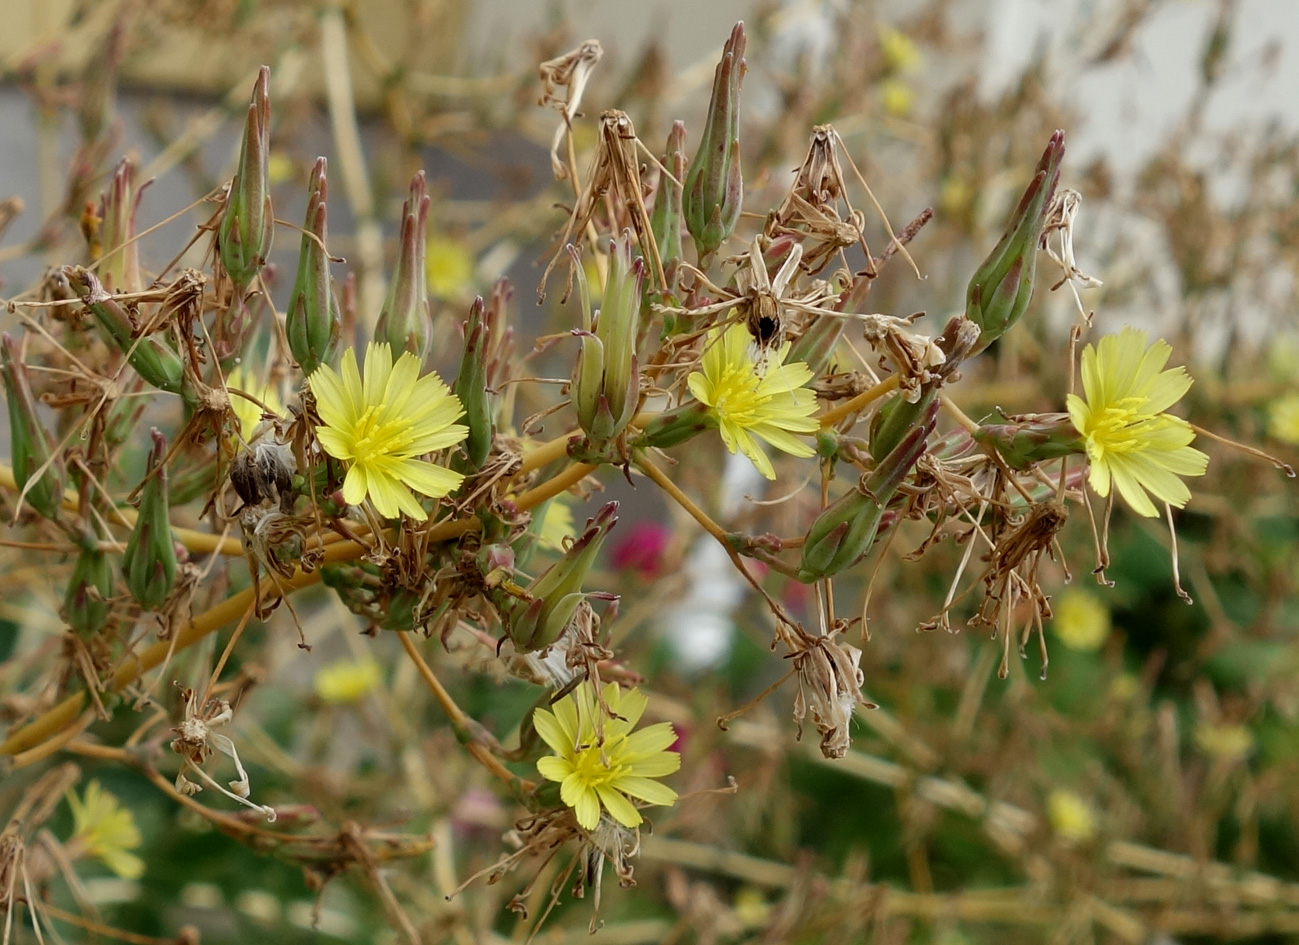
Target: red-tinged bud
pixel 665 219
pixel 119 267
pixel 247 225
pixel 149 562
pixel 404 320
pixel 606 379
pixel 714 189
pixel 312 322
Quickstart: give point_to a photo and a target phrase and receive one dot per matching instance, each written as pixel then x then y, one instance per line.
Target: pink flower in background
pixel 642 548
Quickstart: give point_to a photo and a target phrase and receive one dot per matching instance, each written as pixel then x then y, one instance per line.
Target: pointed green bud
pixel 553 598
pixel 149 563
pixel 1002 286
pixel 606 379
pixel 471 386
pixel 404 320
pixel 247 224
pixel 312 322
pixel 119 267
pixel 152 360
pixel 676 426
pixel 844 532
pixel 38 470
pixel 1032 439
pixel 665 219
pixel 714 190
pixel 86 605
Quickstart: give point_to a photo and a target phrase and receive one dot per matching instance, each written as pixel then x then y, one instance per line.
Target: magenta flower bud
pixel 1001 288
pixel 119 267
pixel 38 470
pixel 312 322
pixel 247 225
pixel 404 320
pixel 714 190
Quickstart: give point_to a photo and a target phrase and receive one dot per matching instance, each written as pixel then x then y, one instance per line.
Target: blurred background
pixel 1145 789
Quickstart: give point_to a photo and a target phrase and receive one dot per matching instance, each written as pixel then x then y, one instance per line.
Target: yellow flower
pixel 346 681
pixel 899 51
pixel 1283 417
pixel 448 267
pixel 103 829
pixel 1082 621
pixel 556 523
pixel 1130 441
pixel 1226 742
pixel 598 761
pixel 1071 817
pixel 897 97
pixel 246 412
pixel 382 423
pixel 746 403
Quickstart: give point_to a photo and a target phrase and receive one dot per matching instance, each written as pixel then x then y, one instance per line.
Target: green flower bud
pixel 247 225
pixel 714 190
pixel 471 386
pixel 1001 288
pixel 149 563
pixel 86 605
pixel 404 320
pixel 676 426
pixel 537 622
pixel 312 321
pixel 1032 440
pixel 665 219
pixel 606 379
pixel 153 361
pixel 120 265
pixel 38 470
pixel 845 531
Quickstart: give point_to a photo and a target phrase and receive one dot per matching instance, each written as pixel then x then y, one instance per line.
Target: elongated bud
pixel 37 469
pixel 404 320
pixel 845 531
pixel 247 225
pixel 153 361
pixel 714 190
pixel 149 563
pixel 1001 288
pixel 606 379
pixel 676 426
pixel 312 322
pixel 120 265
pixel 86 605
pixel 553 597
pixel 665 219
pixel 1033 440
pixel 896 418
pixel 471 386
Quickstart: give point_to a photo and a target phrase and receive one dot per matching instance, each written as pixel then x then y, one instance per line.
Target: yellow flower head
pixel 379 426
pixel 1226 742
pixel 599 761
pixel 345 681
pixel 1283 417
pixel 1082 621
pixel 1130 441
pixel 246 411
pixel 104 829
pixel 747 403
pixel 1071 817
pixel 448 267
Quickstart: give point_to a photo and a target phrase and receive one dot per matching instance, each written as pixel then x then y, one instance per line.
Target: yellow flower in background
pixel 104 829
pixel 598 760
pixel 346 681
pixel 897 97
pixel 770 406
pixel 1225 742
pixel 556 522
pixel 1082 621
pixel 448 267
pixel 246 411
pixel 1071 816
pixel 279 167
pixel 1131 443
pixel 1283 417
pixel 381 423
pixel 899 52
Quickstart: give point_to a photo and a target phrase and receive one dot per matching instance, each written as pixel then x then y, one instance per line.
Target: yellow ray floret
pixel 381 424
pixel 599 761
pixel 1130 441
pixel 771 405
